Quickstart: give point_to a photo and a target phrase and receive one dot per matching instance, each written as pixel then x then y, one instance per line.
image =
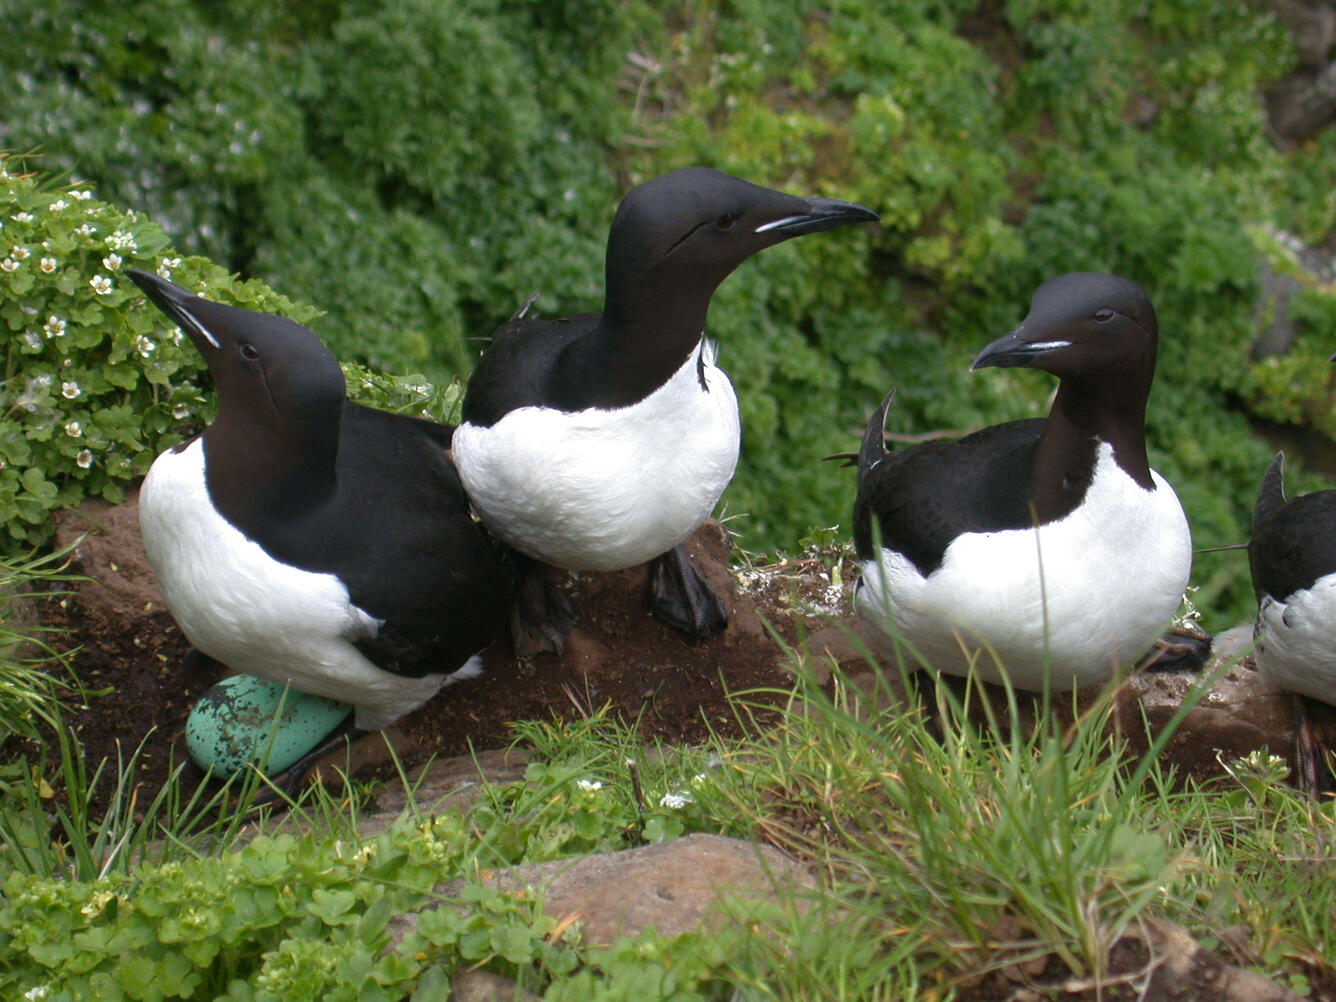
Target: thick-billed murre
pixel 1292 557
pixel 601 441
pixel 1046 545
pixel 309 540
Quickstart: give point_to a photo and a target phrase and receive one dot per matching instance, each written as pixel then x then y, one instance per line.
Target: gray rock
pixel 1237 715
pixel 674 887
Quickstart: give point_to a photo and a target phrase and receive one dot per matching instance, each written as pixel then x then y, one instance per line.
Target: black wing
pixel 1293 542
pixel 925 496
pixel 517 369
pixel 399 534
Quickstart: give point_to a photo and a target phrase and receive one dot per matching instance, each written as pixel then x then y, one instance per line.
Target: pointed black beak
pixel 1013 350
pixel 176 303
pixel 819 214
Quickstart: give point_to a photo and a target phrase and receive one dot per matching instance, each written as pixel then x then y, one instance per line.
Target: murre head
pixel 690 228
pixel 1083 326
pixel 268 368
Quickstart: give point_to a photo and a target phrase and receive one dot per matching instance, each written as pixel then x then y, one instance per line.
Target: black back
pixel 519 367
pixel 1293 542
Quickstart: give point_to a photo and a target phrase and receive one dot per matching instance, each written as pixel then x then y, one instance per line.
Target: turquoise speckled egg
pixel 230 725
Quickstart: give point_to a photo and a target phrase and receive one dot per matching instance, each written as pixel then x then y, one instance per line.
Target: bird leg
pixel 681 597
pixel 540 614
pixel 1309 761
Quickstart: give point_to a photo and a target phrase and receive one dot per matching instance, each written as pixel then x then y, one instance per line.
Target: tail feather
pixel 1271 493
pixel 873 450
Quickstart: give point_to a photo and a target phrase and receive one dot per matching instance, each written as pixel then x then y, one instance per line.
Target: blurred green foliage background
pixel 415 168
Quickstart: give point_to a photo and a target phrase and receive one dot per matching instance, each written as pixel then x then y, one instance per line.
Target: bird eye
pixel 726 221
pixel 248 352
pixel 1103 316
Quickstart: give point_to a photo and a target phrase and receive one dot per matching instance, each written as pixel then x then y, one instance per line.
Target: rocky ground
pixel 122 640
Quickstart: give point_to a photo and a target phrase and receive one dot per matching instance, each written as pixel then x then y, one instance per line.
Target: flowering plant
pixel 96 381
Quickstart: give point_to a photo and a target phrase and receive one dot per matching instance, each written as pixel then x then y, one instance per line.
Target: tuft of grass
pixel 959 840
pixel 30 691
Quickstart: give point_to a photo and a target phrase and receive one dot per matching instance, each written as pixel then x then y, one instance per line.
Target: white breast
pixel 606 489
pixel 1086 594
pixel 1296 641
pixel 256 615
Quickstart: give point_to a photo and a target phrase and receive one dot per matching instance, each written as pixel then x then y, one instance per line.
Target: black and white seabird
pixel 1046 545
pixel 1292 557
pixel 601 441
pixel 309 540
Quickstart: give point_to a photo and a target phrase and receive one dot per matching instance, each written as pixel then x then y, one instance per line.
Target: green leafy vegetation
pixel 32 677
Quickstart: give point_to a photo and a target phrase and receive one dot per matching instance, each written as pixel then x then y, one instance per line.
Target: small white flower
pixel 36 994
pixel 83 194
pixel 47 264
pixel 54 327
pixel 101 284
pixel 18 252
pixel 120 240
pixel 166 265
pixel 112 261
pixel 588 785
pixel 144 345
pixel 84 230
pixel 8 264
pixel 674 801
pixel 43 381
pixel 84 459
pixel 32 339
pixel 58 205
pixel 181 412
pixel 22 217
pixel 176 335
pixel 69 390
pixel 73 429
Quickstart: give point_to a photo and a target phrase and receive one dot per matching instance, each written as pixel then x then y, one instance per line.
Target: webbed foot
pixel 681 597
pixel 540 615
pixel 1178 650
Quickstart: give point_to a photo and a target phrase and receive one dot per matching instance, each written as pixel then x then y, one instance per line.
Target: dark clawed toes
pixel 1178 650
pixel 681 598
pixel 541 616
